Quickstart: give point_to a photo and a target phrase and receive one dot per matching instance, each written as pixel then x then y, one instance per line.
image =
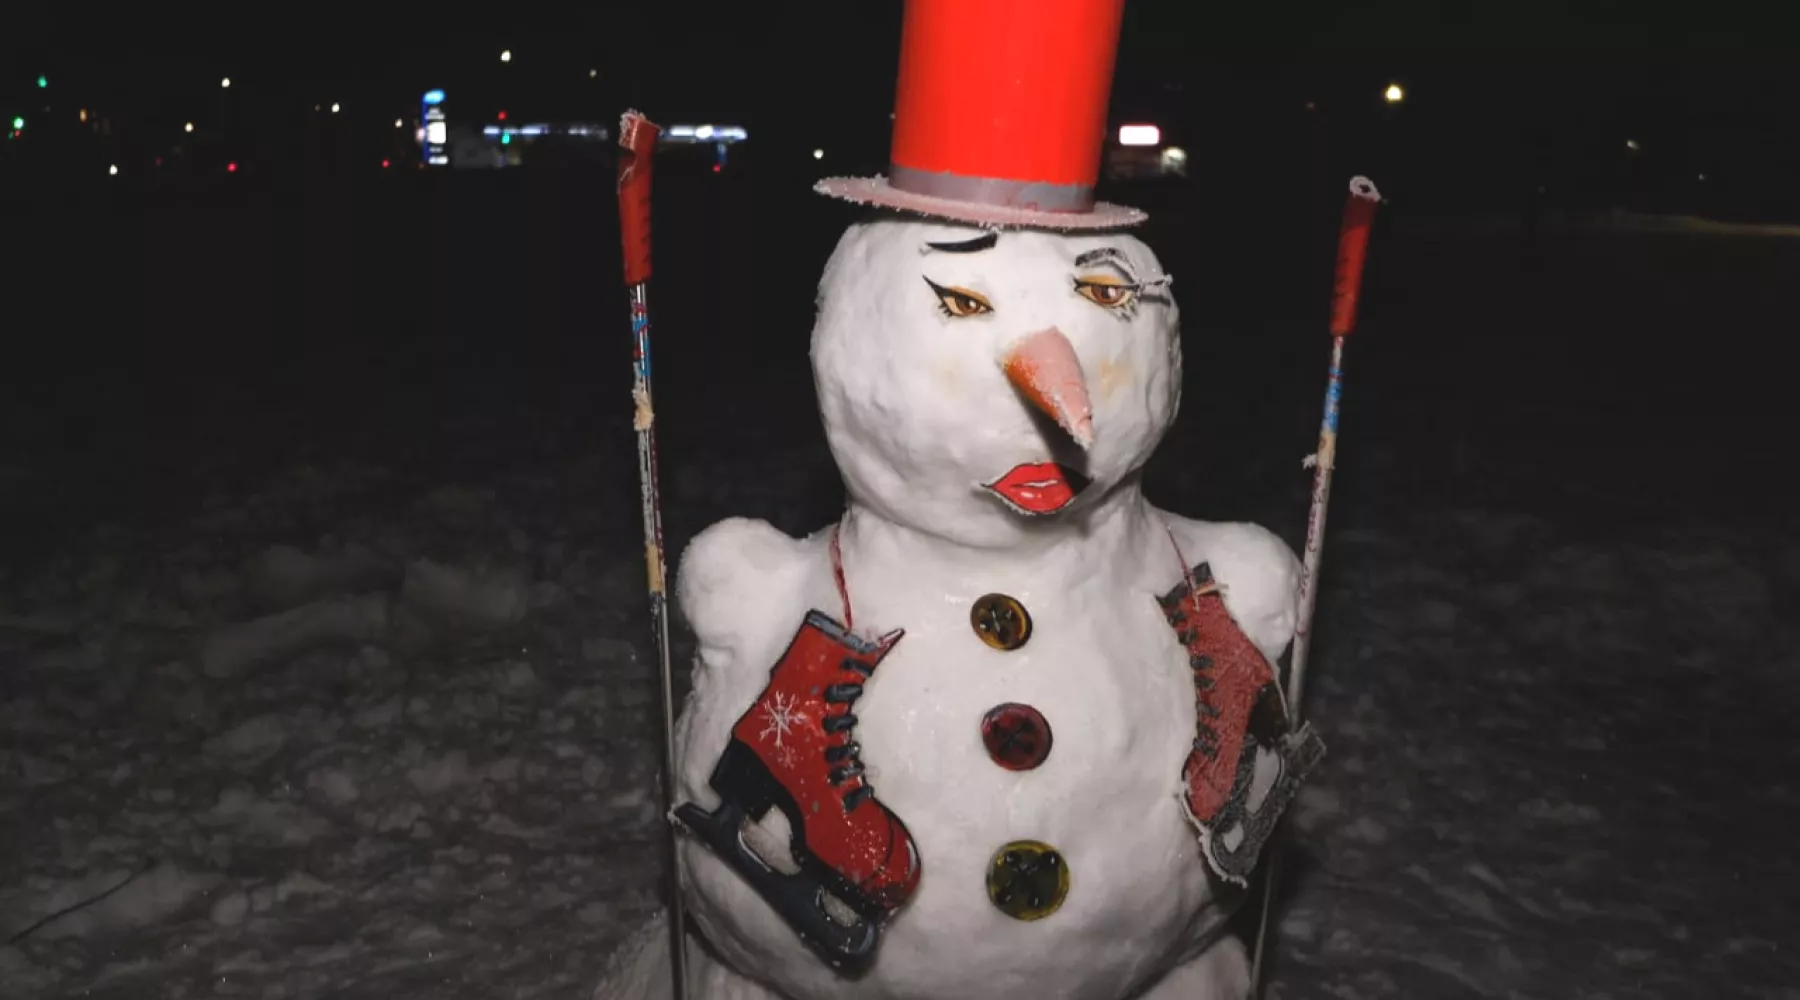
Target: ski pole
pixel 637 137
pixel 1353 248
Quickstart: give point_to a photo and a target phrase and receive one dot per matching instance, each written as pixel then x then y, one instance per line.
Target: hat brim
pixel 877 191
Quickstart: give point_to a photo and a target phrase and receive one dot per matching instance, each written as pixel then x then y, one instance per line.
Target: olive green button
pixel 1000 621
pixel 1028 880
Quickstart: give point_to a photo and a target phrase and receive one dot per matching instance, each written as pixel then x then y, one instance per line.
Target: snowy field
pixel 324 669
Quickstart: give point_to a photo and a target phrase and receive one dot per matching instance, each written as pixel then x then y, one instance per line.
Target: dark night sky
pixel 1695 78
pixel 769 55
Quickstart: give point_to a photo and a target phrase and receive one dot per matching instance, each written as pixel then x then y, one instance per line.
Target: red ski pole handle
pixel 1353 250
pixel 637 137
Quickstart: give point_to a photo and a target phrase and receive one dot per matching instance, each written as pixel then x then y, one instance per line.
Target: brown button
pixel 1027 880
pixel 1017 736
pixel 1000 621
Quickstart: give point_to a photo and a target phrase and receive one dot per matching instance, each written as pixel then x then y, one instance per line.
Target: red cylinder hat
pixel 1000 115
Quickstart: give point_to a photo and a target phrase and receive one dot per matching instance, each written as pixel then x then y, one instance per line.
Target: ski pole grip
pixel 637 138
pixel 1353 249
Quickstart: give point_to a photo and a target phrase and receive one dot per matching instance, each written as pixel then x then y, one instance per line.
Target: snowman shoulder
pixel 739 585
pixel 1257 571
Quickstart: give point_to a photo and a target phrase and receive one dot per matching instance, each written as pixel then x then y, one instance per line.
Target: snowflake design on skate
pixel 781 713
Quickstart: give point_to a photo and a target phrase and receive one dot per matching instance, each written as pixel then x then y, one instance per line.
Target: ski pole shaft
pixel 637 137
pixel 1353 247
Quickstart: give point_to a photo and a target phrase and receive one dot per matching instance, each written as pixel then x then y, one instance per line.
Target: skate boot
pixel 792 750
pixel 1248 760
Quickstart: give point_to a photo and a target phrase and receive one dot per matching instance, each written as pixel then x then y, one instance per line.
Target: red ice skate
pixel 1238 709
pixel 793 750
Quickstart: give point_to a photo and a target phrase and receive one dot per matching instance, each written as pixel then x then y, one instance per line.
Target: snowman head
pixel 987 386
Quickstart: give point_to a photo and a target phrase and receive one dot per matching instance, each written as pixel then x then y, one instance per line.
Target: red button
pixel 1017 737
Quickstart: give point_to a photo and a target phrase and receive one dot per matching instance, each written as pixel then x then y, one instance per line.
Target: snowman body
pixel 946 360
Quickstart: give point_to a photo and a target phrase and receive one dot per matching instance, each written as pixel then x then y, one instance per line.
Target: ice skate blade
pixel 798 898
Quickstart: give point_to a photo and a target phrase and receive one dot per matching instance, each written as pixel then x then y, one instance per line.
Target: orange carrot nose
pixel 1044 367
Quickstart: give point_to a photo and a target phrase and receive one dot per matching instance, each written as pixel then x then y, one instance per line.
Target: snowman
pixel 1006 729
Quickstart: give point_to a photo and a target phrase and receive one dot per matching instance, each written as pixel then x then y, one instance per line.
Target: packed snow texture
pixel 375 716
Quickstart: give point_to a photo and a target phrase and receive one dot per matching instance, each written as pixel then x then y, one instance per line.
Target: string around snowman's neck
pixel 837 575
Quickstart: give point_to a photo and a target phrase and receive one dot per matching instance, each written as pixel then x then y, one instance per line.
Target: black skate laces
pixel 844 755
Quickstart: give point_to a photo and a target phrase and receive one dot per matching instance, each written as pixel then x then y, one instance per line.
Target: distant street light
pixel 592 73
pixel 506 55
pixel 189 127
pixel 1395 93
pixel 112 171
pixel 818 154
pixel 334 107
pixel 399 124
pixel 225 84
pixel 1139 135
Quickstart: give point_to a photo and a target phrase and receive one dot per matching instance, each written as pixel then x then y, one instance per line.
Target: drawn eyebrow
pixel 1113 254
pixel 985 241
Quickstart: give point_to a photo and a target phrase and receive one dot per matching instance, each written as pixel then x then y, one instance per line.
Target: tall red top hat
pixel 1000 115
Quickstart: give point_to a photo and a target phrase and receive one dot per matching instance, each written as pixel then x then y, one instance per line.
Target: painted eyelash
pixel 1111 255
pixel 1124 311
pixel 1131 286
pixel 942 292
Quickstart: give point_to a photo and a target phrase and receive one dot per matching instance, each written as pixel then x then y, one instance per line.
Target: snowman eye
pixel 959 303
pixel 1106 290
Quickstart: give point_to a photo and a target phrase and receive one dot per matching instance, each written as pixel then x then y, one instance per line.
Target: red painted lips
pixel 1039 488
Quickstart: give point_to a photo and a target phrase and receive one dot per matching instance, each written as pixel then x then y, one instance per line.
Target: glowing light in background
pixel 112 171
pixel 231 168
pixel 1139 135
pixel 18 122
pixel 84 114
pixel 706 133
pixel 506 55
pixel 502 116
pixel 225 83
pixel 189 127
pixel 592 73
pixel 818 154
pixel 1394 93
pixel 1632 144
pixel 43 82
pixel 437 133
pixel 334 108
pixel 384 164
pixel 586 131
pixel 399 124
pixel 434 97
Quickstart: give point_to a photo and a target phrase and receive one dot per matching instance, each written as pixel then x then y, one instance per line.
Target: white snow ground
pixel 1556 675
